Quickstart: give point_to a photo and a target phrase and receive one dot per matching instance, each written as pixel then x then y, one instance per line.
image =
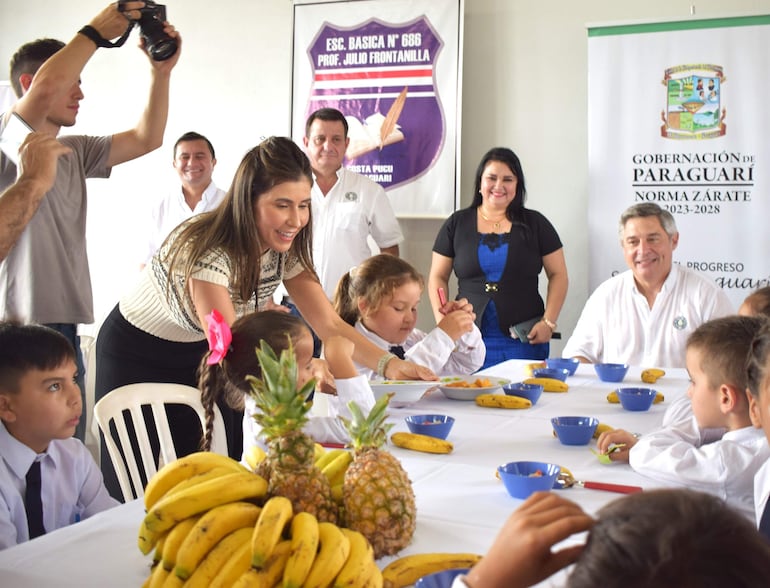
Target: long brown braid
pixel 227 380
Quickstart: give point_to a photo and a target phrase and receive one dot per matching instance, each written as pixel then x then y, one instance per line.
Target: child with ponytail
pixel 379 298
pixel 232 357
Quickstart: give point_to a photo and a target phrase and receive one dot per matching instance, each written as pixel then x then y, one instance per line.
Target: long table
pixel 460 503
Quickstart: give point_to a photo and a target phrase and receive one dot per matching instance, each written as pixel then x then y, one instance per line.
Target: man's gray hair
pixel 644 209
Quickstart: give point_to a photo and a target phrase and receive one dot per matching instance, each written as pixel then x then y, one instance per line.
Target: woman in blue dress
pixel 497 249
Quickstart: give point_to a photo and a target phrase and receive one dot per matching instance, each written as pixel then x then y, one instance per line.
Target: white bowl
pixel 405 392
pixel 469 392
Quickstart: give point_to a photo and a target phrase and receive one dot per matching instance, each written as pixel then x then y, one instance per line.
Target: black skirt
pixel 128 355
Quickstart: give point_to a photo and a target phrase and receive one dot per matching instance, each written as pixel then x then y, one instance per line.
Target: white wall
pixel 524 86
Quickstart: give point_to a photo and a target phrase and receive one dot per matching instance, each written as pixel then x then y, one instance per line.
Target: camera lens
pixel 159 45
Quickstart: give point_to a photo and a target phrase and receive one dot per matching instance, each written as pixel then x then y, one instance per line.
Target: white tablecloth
pixel 460 503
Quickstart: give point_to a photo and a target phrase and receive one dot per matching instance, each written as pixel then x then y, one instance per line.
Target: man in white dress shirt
pixel 644 315
pixel 194 161
pixel 348 208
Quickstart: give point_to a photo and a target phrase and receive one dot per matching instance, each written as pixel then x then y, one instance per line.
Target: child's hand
pixel 457 323
pixel 616 437
pixel 523 553
pixel 323 377
pixel 453 305
pixel 399 369
pixel 338 351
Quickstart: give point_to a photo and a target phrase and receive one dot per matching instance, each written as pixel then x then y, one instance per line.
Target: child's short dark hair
pixel 672 538
pixel 29 347
pixel 724 345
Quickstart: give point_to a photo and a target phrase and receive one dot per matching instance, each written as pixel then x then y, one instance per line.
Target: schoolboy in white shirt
pixel 40 406
pixel 678 454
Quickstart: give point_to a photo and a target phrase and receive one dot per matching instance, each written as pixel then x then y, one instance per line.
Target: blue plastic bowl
pixel 611 372
pixel 574 430
pixel 434 425
pixel 531 392
pixel 521 477
pixel 442 579
pixel 563 363
pixel 547 372
pixel 637 399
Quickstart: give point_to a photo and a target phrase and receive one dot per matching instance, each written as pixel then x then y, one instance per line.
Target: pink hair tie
pixel 220 337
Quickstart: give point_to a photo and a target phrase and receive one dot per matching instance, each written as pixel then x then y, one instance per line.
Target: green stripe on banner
pixel 679 25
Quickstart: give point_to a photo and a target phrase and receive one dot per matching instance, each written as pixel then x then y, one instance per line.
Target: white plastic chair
pixel 131 398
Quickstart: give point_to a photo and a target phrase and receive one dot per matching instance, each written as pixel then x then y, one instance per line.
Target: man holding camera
pixel 45 276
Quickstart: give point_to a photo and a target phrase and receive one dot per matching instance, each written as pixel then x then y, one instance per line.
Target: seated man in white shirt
pixel 194 161
pixel 644 315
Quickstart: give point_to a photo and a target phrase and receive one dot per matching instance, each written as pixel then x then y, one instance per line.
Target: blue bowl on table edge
pixel 442 579
pixel 563 363
pixel 522 478
pixel 636 399
pixel 547 372
pixel 433 425
pixel 531 392
pixel 611 372
pixel 574 430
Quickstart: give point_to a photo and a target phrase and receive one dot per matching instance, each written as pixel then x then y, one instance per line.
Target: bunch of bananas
pixel 210 524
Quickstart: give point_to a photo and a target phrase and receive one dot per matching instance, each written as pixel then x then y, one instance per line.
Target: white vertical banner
pixel 678 116
pixel 393 68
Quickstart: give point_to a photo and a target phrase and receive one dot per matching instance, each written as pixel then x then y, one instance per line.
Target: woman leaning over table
pixel 232 260
pixel 497 249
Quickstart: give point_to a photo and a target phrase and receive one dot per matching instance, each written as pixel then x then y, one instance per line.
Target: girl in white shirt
pixel 232 357
pixel 379 298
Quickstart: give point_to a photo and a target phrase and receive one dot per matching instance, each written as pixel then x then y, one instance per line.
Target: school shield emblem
pixel 381 77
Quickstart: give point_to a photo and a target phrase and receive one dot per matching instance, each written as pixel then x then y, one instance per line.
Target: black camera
pixel 158 44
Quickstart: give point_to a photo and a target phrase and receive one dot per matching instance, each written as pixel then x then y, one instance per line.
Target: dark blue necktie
pixel 33 503
pixel 398 351
pixel 764 522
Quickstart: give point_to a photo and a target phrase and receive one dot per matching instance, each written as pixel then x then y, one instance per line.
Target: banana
pixel 185 467
pixel 354 573
pixel 174 539
pixel 337 493
pixel 157 555
pixel 328 457
pixel 270 574
pixel 254 456
pixel 612 397
pixel 335 471
pixel 197 479
pixel 502 401
pixel 651 375
pixel 530 368
pixel 249 579
pixel 172 581
pixel 600 428
pixel 422 443
pixel 549 384
pixel 157 577
pixel 235 566
pixel 374 576
pixel 318 451
pixel 304 544
pixel 216 558
pixel 167 512
pixel 406 570
pixel 209 530
pixel 276 512
pixel 334 551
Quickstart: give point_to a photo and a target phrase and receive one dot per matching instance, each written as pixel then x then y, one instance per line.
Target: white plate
pixel 458 393
pixel 405 392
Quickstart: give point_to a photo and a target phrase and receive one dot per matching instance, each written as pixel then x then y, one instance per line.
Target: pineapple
pixel 377 494
pixel 289 466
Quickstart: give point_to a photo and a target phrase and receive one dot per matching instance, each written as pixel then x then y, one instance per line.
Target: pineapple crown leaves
pixel 282 406
pixel 368 431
